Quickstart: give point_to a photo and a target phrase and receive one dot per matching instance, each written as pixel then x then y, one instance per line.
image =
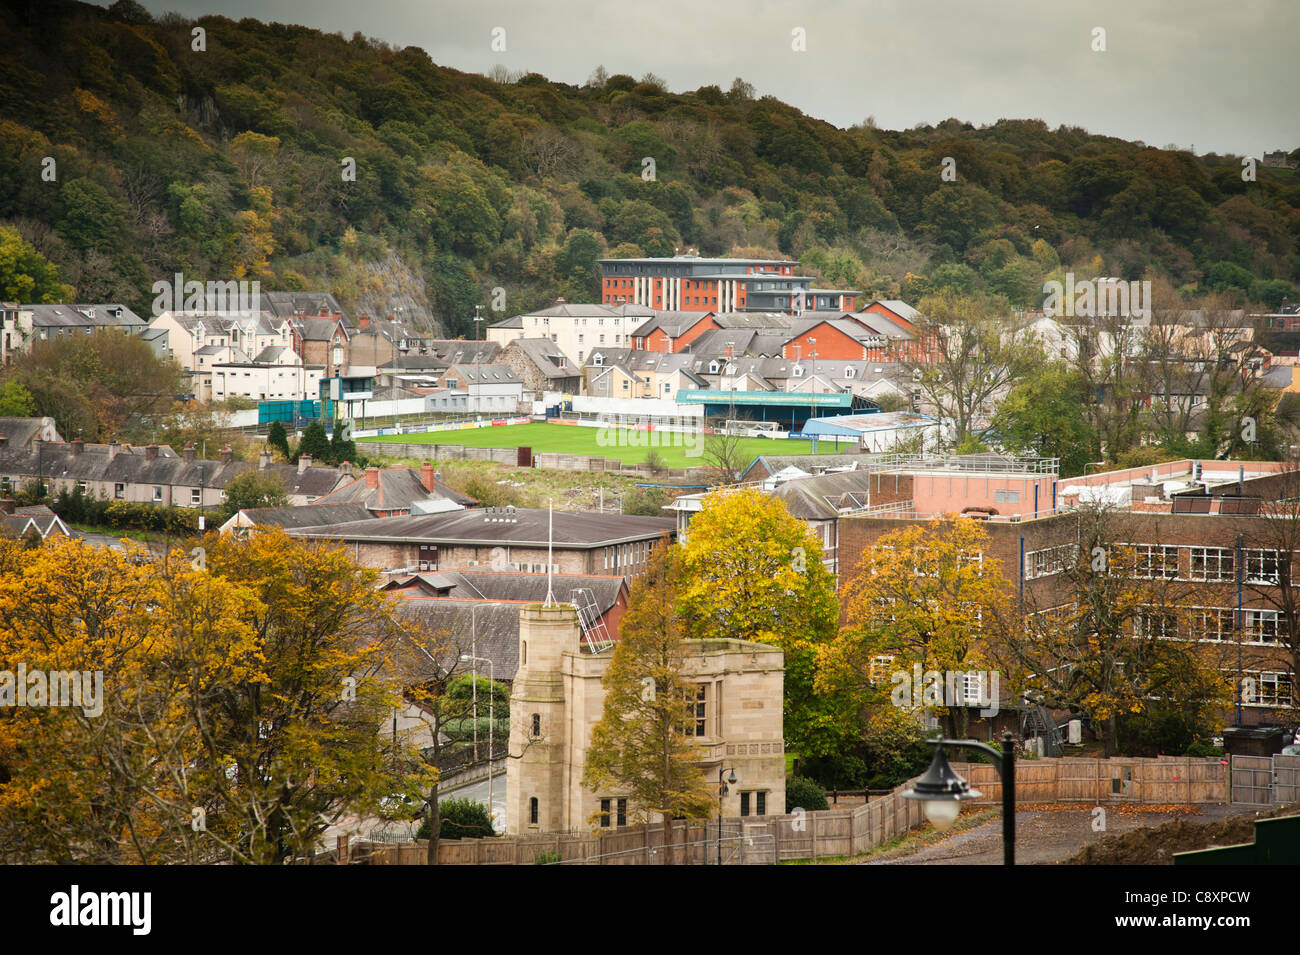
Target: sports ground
pixel 631 447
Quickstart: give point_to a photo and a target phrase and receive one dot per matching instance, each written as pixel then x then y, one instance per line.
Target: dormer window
pixel 713 368
pixel 797 371
pixel 848 372
pixel 598 359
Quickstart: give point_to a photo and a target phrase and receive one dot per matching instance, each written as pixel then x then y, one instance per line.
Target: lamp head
pixel 941 791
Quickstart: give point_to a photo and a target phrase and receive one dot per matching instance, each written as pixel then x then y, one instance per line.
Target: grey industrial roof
pixel 572 529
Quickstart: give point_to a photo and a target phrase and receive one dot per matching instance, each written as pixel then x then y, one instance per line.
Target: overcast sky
pixel 1219 76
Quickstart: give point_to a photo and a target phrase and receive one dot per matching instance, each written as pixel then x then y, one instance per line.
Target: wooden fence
pixel 827 834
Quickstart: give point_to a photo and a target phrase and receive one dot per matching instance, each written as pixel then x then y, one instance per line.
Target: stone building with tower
pixel 557 699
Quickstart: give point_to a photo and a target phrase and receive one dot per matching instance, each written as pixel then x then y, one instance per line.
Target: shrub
pixel 803 793
pixel 461 819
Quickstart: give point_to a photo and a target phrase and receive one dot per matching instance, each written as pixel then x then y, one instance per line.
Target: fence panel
pixel 1252 780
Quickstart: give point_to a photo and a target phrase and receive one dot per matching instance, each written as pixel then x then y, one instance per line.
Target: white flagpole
pixel 550 537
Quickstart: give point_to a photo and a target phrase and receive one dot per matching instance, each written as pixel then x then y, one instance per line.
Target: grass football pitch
pixel 631 447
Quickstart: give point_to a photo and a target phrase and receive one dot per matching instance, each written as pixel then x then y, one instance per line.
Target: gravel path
pixel 1045 836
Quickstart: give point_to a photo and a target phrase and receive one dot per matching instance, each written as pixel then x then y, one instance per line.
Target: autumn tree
pixel 240 710
pixel 94 384
pixel 922 595
pixel 754 572
pixel 1271 541
pixel 640 743
pixel 1116 648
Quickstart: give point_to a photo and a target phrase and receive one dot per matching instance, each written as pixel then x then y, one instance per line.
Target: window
pixel 1262 566
pixel 82 486
pixel 1050 560
pixel 532 811
pixel 196 496
pixel 1211 623
pixel 1260 626
pixel 426 556
pixel 1266 688
pixel 758 799
pixel 119 491
pixel 1006 497
pixel 697 727
pixel 613 811
pixel 1155 561
pixel 537 724
pixel 1156 622
pixel 157 495
pixel 880 667
pixel 1213 563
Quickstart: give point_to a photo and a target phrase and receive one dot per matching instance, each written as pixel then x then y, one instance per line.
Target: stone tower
pixel 537 719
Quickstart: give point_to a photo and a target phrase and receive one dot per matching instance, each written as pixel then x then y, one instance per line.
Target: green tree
pixel 253 488
pixel 278 438
pixel 16 401
pixel 25 275
pixel 1044 415
pixel 315 443
pixel 640 744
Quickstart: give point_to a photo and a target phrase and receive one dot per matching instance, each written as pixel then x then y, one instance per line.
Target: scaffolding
pixel 594 633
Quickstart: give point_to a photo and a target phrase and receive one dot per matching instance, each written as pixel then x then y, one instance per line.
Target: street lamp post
pixel 722 791
pixel 941 790
pixel 492 679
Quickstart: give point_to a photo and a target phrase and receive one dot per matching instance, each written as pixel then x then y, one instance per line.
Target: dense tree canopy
pixel 307 159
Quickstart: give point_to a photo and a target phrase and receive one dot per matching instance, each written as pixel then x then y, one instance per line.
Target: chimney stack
pixel 77 446
pixel 345 469
pixel 151 452
pixel 227 455
pixel 372 477
pixel 113 448
pixel 426 476
pixel 187 452
pixel 265 459
pixel 4 440
pixel 304 462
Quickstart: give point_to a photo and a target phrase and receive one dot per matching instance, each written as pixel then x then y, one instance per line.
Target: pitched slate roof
pixel 511 585
pixel 307 515
pixel 454 626
pixel 543 353
pixel 291 304
pixel 110 315
pixel 20 432
pixel 97 462
pixel 396 489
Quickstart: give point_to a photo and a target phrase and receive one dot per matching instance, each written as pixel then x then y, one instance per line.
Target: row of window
pixel 1164 562
pixel 626 555
pixel 7 485
pixel 1213 624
